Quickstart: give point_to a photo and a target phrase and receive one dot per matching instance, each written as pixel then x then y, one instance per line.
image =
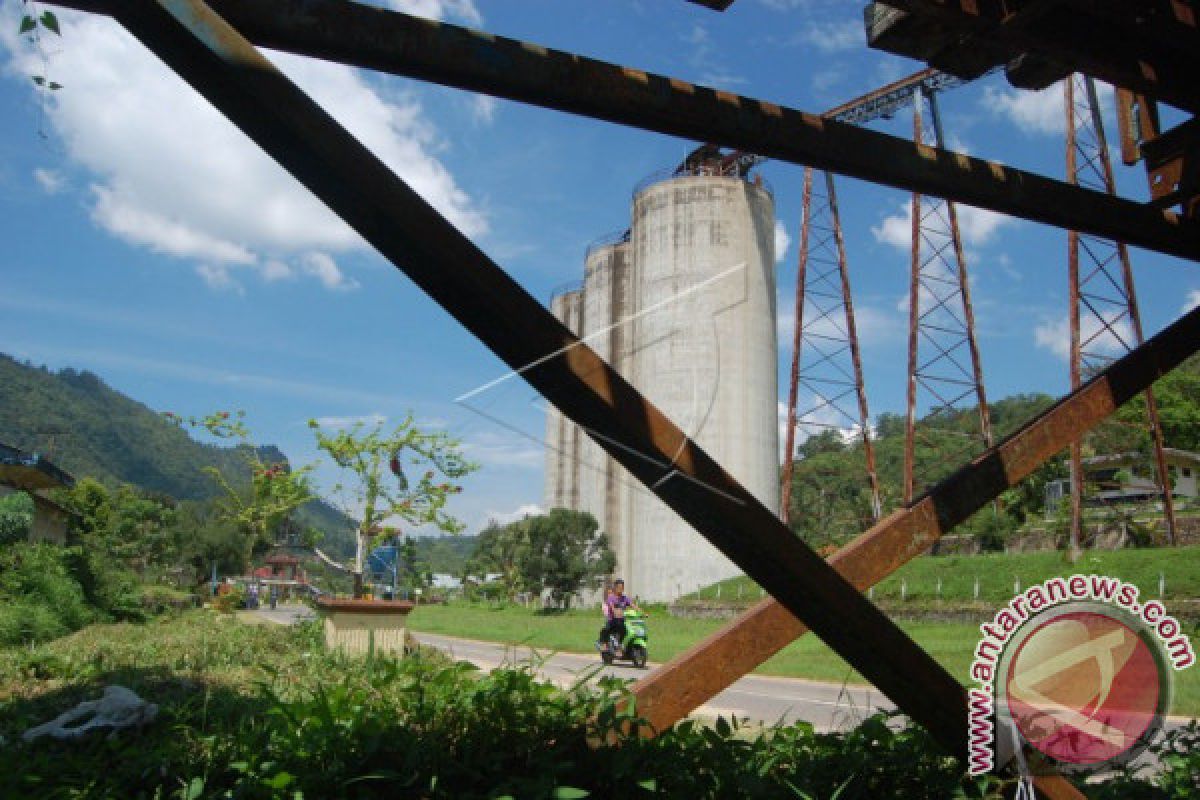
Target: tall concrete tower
pixel 562 436
pixel 704 352
pixel 684 308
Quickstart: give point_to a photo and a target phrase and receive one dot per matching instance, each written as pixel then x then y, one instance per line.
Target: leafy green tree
pixel 274 491
pixel 377 462
pixel 564 551
pixel 500 550
pixel 16 517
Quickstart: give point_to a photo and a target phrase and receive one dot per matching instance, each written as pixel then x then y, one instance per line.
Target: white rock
pixel 117 708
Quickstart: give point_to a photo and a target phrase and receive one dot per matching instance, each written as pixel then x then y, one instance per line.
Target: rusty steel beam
pixel 232 75
pixel 1146 46
pixel 400 44
pixel 694 677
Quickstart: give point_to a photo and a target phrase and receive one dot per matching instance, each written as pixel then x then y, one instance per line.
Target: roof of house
pixel 30 471
pixel 1173 456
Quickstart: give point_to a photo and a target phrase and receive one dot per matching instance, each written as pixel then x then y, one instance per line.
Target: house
pixel 34 474
pixel 1130 478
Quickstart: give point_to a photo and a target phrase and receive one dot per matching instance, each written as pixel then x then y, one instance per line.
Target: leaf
pixel 27 24
pixel 570 793
pixel 50 22
pixel 194 789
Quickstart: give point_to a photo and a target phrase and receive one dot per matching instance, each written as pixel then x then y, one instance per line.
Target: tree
pixel 564 550
pixel 381 488
pixel 501 550
pixel 274 491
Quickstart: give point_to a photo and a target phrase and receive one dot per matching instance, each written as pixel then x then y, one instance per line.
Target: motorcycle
pixel 633 648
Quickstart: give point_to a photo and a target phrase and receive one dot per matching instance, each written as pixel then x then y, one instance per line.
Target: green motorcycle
pixel 633 648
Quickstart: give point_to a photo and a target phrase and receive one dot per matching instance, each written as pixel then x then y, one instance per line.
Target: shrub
pixel 39 574
pixel 25 622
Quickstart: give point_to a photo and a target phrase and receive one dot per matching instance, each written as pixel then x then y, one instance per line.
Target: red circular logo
pixel 1083 687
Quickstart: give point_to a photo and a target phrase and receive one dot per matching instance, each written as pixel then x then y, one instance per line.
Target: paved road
pixel 761 699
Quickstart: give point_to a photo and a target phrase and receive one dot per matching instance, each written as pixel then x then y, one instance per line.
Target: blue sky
pixel 148 241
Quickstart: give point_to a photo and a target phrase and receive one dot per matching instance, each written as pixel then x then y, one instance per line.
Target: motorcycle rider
pixel 615 603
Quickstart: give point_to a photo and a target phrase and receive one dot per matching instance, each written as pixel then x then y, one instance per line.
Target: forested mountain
pixel 90 429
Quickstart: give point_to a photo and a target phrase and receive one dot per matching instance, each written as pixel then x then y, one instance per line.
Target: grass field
pixel 950 643
pixel 998 573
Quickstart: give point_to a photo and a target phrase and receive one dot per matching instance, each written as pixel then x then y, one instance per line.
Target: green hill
pixel 830 499
pixel 90 429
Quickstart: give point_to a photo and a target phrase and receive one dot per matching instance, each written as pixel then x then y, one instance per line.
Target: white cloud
pixel 782 242
pixel 1192 301
pixel 1038 112
pixel 1055 336
pixel 873 325
pixel 322 267
pixel 505 450
pixel 483 109
pixel 462 10
pixel 835 37
pixel 171 174
pixel 520 512
pixel 217 276
pixel 341 422
pixel 51 181
pixel 275 270
pixel 977 226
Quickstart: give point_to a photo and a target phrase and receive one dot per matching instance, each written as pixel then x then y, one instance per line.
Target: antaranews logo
pixel 1077 669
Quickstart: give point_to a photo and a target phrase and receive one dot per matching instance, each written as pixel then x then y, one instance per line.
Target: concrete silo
pixel 703 345
pixel 606 303
pixel 563 441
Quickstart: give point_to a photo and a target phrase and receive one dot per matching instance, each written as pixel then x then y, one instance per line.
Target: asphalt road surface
pixel 827 706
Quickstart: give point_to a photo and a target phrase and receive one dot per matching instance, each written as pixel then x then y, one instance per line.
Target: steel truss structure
pixel 943 356
pixel 208 47
pixel 1104 313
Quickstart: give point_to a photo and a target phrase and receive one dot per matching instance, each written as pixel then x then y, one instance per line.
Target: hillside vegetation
pixel 90 429
pixel 830 499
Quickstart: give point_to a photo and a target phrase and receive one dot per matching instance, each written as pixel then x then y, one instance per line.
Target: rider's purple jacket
pixel 614 601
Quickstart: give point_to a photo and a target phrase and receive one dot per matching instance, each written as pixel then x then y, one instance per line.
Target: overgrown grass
pixel 998 574
pixel 951 644
pixel 265 712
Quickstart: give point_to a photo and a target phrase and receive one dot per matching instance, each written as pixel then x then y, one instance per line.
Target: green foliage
pixel 564 552
pixel 274 491
pixel 379 464
pixel 16 517
pixel 36 580
pixel 561 551
pixel 96 425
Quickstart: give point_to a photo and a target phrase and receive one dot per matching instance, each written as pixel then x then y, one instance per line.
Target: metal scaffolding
pixel 944 367
pixel 1104 315
pixel 826 361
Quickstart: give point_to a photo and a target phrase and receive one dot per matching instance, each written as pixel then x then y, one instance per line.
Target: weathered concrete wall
pixel 356 632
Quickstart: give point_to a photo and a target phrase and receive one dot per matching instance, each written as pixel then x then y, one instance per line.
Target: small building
pixel 34 474
pixel 282 571
pixel 1130 478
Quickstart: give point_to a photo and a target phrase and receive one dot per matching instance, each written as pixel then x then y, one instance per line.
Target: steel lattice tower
pixel 825 355
pixel 1104 317
pixel 944 366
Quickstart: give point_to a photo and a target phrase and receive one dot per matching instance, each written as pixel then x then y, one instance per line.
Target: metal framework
pixel 1104 314
pixel 943 356
pixel 825 331
pixel 212 54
